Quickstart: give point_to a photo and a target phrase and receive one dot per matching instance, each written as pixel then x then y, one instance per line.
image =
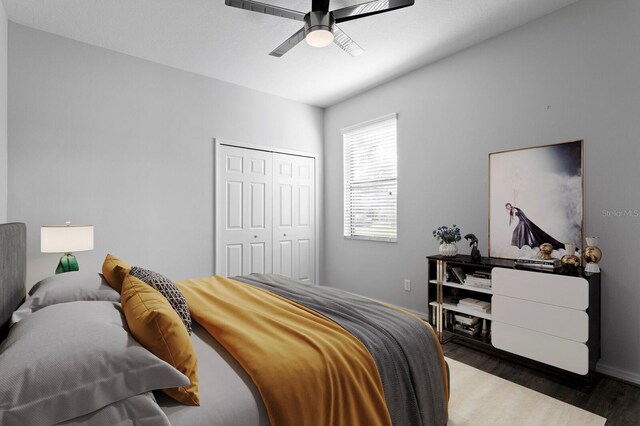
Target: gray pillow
pixel 140 410
pixel 21 313
pixel 71 359
pixel 71 287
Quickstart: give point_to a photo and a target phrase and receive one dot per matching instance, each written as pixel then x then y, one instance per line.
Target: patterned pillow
pixel 168 290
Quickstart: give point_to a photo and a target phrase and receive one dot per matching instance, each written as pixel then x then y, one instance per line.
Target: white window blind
pixel 371 180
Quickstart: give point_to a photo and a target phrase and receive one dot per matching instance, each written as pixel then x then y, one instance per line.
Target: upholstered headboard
pixel 13 271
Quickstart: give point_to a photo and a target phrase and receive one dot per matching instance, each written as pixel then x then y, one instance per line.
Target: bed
pixel 374 364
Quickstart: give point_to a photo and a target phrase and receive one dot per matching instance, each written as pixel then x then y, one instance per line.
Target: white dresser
pixel 542 317
pixel 552 318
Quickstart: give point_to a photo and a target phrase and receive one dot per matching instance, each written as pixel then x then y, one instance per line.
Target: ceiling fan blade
pixel 267 9
pixel 346 43
pixel 288 44
pixel 320 6
pixel 370 8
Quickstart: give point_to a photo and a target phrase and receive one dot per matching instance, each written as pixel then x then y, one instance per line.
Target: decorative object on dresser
pixel 548 318
pixel 66 239
pixel 570 249
pixel 546 182
pixel 546 249
pixel 448 238
pixel 592 255
pixel 475 253
pixel 570 261
pixel 448 249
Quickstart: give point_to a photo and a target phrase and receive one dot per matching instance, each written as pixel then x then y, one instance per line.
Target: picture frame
pixel 536 195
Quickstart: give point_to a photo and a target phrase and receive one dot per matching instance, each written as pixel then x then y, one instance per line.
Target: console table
pixel 547 318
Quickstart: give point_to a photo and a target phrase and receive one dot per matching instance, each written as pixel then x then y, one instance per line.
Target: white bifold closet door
pixel 265 213
pixel 293 217
pixel 244 230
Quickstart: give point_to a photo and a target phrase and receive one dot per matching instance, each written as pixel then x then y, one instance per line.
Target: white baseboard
pixel 618 373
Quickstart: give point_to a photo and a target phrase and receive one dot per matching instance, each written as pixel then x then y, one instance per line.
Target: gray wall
pixel 4 24
pixel 570 75
pixel 126 145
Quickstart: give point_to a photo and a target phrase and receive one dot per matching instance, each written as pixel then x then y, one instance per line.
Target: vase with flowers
pixel 448 238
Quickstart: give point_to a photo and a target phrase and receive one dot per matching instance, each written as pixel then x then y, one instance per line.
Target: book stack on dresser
pixel 467 324
pixel 475 304
pixel 541 264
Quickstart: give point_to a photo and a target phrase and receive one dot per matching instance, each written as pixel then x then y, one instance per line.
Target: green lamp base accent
pixel 67 263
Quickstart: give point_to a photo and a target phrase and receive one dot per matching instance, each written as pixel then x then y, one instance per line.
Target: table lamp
pixel 66 239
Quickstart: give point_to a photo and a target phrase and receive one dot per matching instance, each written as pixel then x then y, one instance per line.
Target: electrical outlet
pixel 407 285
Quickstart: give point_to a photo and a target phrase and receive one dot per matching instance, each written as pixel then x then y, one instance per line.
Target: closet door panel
pixel 284 258
pixel 304 260
pixel 258 258
pixel 234 261
pixel 258 206
pixel 244 223
pixel 294 229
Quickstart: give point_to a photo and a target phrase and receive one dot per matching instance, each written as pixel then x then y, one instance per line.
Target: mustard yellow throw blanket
pixel 308 369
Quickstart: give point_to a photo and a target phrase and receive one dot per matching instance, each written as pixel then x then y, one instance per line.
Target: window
pixel 371 180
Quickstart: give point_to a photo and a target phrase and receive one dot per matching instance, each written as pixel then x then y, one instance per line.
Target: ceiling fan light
pixel 319 38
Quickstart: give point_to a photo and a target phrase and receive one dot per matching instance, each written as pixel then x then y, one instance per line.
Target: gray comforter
pixel 404 350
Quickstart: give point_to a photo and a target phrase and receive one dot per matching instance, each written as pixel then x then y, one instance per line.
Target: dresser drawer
pixel 562 353
pixel 558 321
pixel 559 290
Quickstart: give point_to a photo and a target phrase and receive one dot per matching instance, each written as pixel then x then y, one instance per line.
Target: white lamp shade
pixel 66 238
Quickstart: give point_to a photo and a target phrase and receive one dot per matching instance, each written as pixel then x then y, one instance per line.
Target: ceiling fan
pixel 320 27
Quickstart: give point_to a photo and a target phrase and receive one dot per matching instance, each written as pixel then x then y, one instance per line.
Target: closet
pixel 265 213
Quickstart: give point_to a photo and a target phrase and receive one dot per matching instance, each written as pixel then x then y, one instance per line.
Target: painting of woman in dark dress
pixel 544 181
pixel 527 233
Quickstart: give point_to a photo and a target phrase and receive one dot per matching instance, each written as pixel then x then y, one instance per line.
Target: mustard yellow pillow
pixel 156 326
pixel 111 275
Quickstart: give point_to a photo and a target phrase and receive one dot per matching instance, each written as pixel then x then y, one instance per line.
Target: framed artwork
pixel 535 197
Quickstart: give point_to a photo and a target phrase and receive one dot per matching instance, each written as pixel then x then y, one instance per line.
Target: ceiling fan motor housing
pixel 314 21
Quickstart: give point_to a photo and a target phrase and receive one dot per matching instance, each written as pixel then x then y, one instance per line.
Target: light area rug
pixel 479 399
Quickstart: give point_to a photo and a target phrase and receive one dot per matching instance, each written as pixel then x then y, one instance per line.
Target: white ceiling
pixel 206 37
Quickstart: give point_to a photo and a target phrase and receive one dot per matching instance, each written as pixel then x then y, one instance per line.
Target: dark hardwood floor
pixel 619 402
